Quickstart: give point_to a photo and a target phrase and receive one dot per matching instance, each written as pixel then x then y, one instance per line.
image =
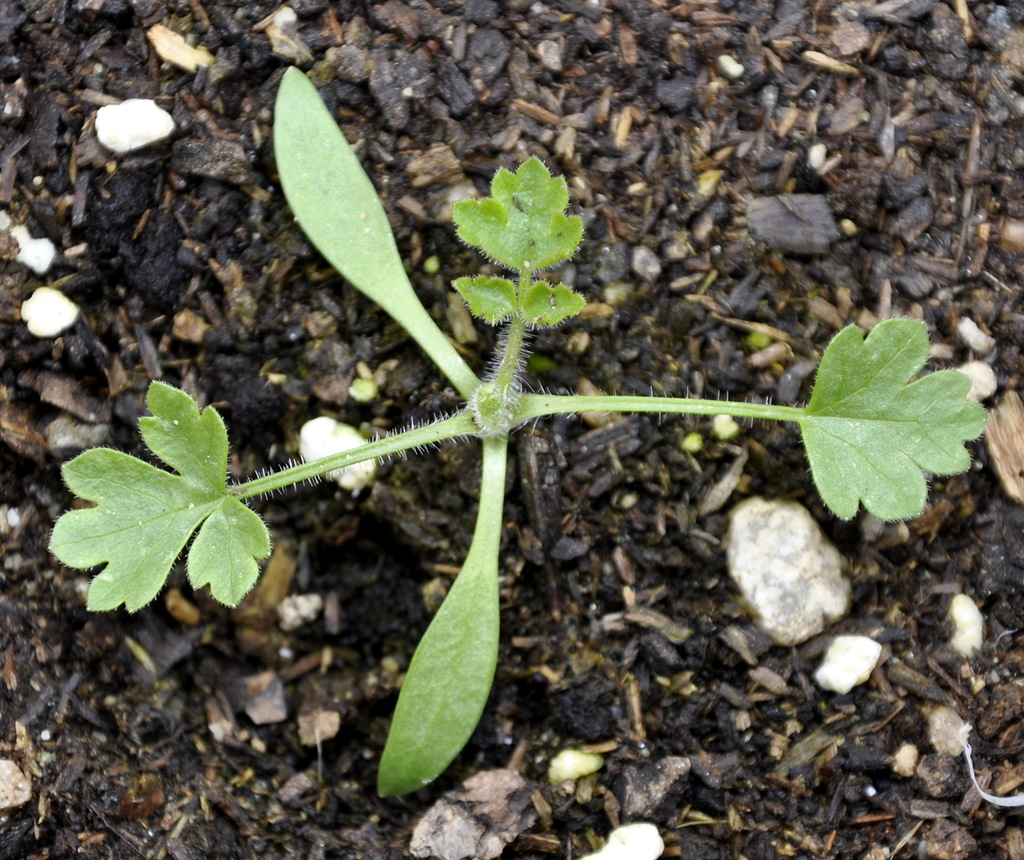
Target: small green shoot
pixel 870 429
pixel 522 225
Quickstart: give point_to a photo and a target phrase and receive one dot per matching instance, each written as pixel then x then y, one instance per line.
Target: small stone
pixel 48 312
pixel 948 841
pixel 801 223
pixel 643 787
pixel 1011 235
pixel 675 94
pixel 225 160
pixel 646 264
pixel 297 610
pixel 968 626
pixel 973 337
pixel 944 726
pixel 904 763
pixel 849 661
pixel 816 156
pixel 730 67
pixel 133 124
pixel 15 786
pixel 550 54
pixel 851 37
pixel 323 437
pixel 263 698
pixel 477 820
pixel 640 841
pixel 573 764
pixel 65 435
pixel 37 254
pixel 983 382
pixel 318 726
pixel 786 569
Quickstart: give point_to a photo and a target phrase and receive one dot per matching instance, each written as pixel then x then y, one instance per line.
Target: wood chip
pixel 172 48
pixel 1004 438
pixel 439 164
pixel 828 64
pixel 536 112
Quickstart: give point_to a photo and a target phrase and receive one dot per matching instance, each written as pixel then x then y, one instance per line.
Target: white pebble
pixel 323 437
pixel 968 625
pixel 944 726
pixel 816 156
pixel 786 569
pixel 849 661
pixel 730 67
pixel 37 254
pixel 639 841
pixel 904 763
pixel 983 380
pixel 573 764
pixel 48 312
pixel 131 125
pixel 298 609
pixel 15 786
pixel 973 337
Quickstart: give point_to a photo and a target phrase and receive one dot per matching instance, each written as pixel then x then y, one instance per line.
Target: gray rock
pixel 787 570
pixel 801 223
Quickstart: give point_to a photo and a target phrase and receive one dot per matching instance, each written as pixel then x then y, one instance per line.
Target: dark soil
pixel 621 628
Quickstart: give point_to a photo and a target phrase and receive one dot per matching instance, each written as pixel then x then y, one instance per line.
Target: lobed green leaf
pixel 522 225
pixel 143 517
pixel 192 443
pixel 490 299
pixel 869 431
pixel 549 305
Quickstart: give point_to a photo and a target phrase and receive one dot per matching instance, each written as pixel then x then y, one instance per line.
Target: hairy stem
pixel 458 425
pixel 537 405
pixel 495 404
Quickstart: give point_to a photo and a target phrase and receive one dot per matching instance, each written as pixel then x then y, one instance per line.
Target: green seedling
pixel 871 427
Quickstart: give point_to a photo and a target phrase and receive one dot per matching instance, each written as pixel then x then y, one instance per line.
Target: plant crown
pixel 869 429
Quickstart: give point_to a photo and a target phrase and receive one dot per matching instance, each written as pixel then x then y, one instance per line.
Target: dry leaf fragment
pixel 1004 438
pixel 477 820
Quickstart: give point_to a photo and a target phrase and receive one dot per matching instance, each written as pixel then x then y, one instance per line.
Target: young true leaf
pixel 491 299
pixel 143 516
pixel 545 304
pixel 869 431
pixel 522 224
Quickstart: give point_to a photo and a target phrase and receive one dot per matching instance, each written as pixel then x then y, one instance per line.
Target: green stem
pixel 507 377
pixel 495 403
pixel 537 405
pixel 458 425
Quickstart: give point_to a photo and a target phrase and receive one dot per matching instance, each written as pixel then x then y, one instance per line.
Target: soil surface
pixel 194 731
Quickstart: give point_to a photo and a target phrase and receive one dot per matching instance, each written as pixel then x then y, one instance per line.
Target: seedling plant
pixel 871 428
